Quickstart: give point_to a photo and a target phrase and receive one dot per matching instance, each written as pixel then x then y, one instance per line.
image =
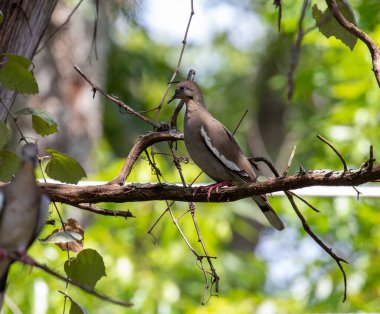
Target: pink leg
pixel 24 258
pixel 215 186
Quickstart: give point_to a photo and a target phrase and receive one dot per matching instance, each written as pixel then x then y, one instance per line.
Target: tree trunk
pixel 20 33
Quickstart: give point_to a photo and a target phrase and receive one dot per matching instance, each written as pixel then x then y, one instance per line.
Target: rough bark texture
pixel 137 192
pixel 20 33
pixel 62 92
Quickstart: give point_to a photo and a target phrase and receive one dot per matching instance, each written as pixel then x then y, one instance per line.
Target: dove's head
pixel 188 90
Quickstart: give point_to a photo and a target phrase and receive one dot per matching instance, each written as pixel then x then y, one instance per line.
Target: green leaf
pixel 64 168
pixel 16 75
pixel 76 308
pixel 62 237
pixel 87 268
pixel 329 26
pixel 43 123
pixel 4 134
pixel 1 17
pixel 9 163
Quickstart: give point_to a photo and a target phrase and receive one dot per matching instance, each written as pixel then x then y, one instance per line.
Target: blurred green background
pixel 242 62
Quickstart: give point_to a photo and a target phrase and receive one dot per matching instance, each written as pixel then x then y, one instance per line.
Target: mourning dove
pixel 214 149
pixel 23 212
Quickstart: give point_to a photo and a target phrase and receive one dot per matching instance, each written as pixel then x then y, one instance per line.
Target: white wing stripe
pixel 1 200
pixel 228 163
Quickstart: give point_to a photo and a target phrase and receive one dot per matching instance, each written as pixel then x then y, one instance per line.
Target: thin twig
pixel 345 168
pixel 278 5
pixel 357 32
pixel 295 52
pixel 183 214
pixel 192 207
pixel 357 192
pixel 175 221
pixel 240 121
pixel 265 160
pixel 371 159
pixel 215 277
pixel 115 100
pixel 306 227
pixel 59 27
pixel 205 273
pixel 177 69
pixel 104 212
pixel 328 250
pixel 154 167
pixel 9 114
pixel 63 226
pixel 369 163
pixel 66 296
pixel 285 173
pixel 173 119
pixel 157 172
pixel 72 282
pixel 95 30
pixel 305 201
pixel 150 231
pixel 177 164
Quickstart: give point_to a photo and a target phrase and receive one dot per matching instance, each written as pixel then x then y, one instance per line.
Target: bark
pixel 20 33
pixel 137 192
pixel 62 92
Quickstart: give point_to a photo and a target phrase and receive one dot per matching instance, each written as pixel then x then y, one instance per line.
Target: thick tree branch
pixel 137 192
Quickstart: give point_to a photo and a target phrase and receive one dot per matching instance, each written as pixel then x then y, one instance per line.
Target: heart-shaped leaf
pixel 64 168
pixel 87 268
pixel 43 123
pixel 16 75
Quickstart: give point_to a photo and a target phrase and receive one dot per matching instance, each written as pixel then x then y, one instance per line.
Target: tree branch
pixel 177 69
pixel 28 260
pixel 114 99
pixel 105 212
pixel 345 168
pixel 142 144
pixel 137 192
pixel 81 286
